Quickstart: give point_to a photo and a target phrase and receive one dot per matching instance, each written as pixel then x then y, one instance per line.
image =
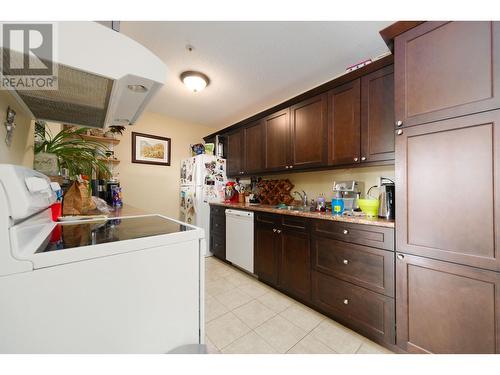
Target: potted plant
pixel 114 130
pixel 67 149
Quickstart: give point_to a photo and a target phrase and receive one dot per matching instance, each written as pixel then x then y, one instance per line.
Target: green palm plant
pixel 78 155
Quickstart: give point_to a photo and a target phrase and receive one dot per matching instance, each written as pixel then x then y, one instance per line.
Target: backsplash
pixel 315 183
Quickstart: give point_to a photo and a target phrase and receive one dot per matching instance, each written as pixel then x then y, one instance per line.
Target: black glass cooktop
pixel 66 236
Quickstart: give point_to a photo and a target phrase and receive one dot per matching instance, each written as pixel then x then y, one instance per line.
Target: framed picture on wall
pixel 150 149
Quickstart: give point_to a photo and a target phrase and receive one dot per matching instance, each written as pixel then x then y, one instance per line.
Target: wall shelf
pixel 94 138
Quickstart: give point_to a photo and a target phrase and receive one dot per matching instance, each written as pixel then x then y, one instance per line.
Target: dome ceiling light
pixel 195 81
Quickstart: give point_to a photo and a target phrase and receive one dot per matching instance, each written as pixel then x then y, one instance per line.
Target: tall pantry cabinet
pixel 447 81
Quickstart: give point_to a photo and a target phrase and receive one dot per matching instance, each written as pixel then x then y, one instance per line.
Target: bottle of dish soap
pixel 337 204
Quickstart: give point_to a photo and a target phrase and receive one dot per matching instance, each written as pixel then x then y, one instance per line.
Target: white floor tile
pixel 219 286
pixel 225 329
pixel 337 337
pixel 369 347
pixel 251 343
pixel 280 333
pixel 302 316
pixel 213 309
pixel 310 345
pixel 233 298
pixel 254 313
pixel 276 301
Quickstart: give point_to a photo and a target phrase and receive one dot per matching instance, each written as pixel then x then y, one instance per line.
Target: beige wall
pixel 20 151
pixel 155 188
pixel 314 183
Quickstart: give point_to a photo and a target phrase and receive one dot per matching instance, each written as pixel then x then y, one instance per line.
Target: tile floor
pixel 245 316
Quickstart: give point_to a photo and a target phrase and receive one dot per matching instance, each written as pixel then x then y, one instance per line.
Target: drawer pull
pixel 400 256
pixel 346 301
pixel 346 261
pixel 274 230
pixel 279 231
pixel 345 231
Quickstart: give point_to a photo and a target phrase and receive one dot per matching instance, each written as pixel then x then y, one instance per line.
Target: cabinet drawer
pixel 294 222
pixel 369 235
pixel 218 246
pixel 217 210
pixel 361 265
pixel 218 225
pixel 370 313
pixel 267 218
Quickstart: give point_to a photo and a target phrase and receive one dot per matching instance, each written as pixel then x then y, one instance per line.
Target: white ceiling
pixel 252 65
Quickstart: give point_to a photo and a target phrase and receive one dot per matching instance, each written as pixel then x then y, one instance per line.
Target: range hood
pixel 104 78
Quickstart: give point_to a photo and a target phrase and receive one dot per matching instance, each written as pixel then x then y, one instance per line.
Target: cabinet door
pixel 309 132
pixel 266 255
pixel 447 190
pixel 234 153
pixel 377 115
pixel 253 139
pixel 277 140
pixel 344 122
pixel 446 69
pixel 295 263
pixel 446 308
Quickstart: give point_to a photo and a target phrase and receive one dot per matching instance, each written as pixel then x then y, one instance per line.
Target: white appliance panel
pixel 239 238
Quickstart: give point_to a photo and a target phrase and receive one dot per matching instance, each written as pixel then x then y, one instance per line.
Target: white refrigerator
pixel 203 178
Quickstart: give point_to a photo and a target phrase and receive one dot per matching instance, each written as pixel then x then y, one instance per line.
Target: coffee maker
pixel 387 198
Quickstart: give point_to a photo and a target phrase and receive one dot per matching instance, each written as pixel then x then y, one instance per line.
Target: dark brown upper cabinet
pixel 377 115
pixel 309 132
pixel 445 308
pixel 234 153
pixel 344 104
pixel 447 190
pixel 277 140
pixel 253 147
pixel 445 70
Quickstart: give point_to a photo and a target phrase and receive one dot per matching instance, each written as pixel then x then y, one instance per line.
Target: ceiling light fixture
pixel 195 81
pixel 137 88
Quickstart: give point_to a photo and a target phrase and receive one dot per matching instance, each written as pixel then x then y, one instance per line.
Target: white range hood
pixel 104 78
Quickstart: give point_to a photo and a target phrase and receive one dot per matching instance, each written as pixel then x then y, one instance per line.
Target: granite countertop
pixel 313 215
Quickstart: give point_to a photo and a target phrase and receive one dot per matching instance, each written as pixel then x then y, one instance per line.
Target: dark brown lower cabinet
pixel 295 263
pixel 217 236
pixel 369 313
pixel 446 308
pixel 266 252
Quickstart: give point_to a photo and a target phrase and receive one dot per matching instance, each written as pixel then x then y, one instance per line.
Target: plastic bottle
pixel 337 204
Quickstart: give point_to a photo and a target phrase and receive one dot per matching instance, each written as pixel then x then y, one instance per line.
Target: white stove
pixel 123 285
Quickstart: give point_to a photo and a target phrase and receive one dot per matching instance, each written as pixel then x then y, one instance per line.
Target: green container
pixel 369 206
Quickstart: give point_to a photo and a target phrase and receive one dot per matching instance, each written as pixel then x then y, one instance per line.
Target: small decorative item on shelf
pixel 96 132
pixel 114 130
pixel 209 148
pixel 197 149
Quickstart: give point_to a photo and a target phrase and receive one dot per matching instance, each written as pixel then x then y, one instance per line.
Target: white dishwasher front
pixel 239 238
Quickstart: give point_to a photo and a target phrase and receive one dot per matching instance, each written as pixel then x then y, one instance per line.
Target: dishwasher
pixel 239 238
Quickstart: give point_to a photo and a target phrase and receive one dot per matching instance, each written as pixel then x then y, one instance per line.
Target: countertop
pixel 313 215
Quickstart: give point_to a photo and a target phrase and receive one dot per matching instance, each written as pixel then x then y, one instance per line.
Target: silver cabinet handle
pixel 356 159
pixel 363 158
pixel 287 167
pixel 345 231
pixel 400 256
pixel 399 132
pixel 399 123
pixel 274 230
pixel 291 166
pixel 346 301
pixel 279 231
pixel 346 261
